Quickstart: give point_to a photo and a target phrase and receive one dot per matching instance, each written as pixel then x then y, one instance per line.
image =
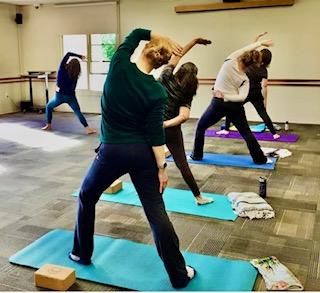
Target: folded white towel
pixel 273 152
pixel 233 196
pixel 276 275
pixel 283 153
pixel 250 205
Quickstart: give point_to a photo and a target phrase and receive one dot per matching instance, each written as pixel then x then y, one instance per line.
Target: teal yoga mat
pixel 254 128
pixel 242 161
pixel 177 200
pixel 136 266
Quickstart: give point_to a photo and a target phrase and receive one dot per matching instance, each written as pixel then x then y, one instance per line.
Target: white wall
pixel 9 60
pixel 41 34
pixel 293 29
pixel 295 54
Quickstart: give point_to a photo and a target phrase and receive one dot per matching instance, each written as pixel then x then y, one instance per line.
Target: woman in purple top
pixel 67 79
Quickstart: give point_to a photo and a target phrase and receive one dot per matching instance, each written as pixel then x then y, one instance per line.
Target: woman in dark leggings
pixel 181 87
pixel 230 90
pixel 132 141
pixel 258 76
pixel 67 79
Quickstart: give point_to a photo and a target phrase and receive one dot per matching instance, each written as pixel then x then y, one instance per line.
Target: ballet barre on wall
pixel 203 81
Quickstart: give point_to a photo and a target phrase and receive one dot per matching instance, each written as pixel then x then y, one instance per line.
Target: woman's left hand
pixel 202 41
pixel 259 36
pixel 176 48
pixel 165 124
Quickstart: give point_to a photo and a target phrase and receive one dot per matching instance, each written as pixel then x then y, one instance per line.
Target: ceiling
pixel 32 2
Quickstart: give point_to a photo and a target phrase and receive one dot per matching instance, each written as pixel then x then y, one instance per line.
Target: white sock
pixel 269 161
pixel 190 272
pixel 74 257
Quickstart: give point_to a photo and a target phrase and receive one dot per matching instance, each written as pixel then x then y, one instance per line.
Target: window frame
pixel 89 61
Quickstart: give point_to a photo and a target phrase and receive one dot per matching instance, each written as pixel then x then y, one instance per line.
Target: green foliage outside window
pixel 108 44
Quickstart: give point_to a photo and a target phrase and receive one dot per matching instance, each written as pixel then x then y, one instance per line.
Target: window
pixel 78 44
pixel 101 48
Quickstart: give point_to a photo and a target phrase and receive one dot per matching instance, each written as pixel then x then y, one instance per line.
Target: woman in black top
pixel 181 87
pixel 258 77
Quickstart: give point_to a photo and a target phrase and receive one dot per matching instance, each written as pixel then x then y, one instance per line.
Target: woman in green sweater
pixel 132 141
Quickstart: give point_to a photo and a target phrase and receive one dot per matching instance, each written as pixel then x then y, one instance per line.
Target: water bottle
pixel 263 187
pixel 286 126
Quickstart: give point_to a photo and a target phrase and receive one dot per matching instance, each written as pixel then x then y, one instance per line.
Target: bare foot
pixel 47 127
pixel 276 136
pixel 222 132
pixel 203 200
pixel 89 130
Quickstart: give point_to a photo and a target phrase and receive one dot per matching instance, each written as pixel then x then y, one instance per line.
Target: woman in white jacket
pixel 230 90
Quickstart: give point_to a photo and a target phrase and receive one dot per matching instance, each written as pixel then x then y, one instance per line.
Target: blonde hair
pixel 250 57
pixel 158 51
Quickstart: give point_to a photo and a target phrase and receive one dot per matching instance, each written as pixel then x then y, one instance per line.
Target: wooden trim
pixel 9 78
pixel 235 5
pixel 275 82
pixel 6 80
pixel 202 81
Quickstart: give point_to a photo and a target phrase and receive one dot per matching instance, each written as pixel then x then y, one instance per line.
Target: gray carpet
pixel 36 186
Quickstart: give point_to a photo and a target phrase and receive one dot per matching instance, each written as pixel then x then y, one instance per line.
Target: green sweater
pixel 132 103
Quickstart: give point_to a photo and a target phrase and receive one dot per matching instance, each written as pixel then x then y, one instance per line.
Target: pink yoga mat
pixel 267 136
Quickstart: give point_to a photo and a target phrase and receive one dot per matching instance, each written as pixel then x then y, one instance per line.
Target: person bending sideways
pixel 67 79
pixel 181 88
pixel 132 141
pixel 258 77
pixel 230 90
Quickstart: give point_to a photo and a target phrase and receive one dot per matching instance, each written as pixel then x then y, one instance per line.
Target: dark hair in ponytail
pixel 73 68
pixel 186 76
pixel 266 57
pixel 250 57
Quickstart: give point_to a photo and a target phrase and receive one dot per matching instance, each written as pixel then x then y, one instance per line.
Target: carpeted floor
pixel 36 186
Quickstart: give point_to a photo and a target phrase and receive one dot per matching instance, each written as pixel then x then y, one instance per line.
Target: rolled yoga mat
pixel 227 160
pixel 264 136
pixel 136 266
pixel 177 200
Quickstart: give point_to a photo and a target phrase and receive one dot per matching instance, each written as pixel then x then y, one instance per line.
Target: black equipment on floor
pixel 29 105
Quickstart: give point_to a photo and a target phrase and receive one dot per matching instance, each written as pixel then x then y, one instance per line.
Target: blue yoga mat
pixel 177 200
pixel 136 266
pixel 242 161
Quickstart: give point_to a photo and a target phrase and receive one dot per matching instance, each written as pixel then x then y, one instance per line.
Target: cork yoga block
pixel 114 187
pixel 55 277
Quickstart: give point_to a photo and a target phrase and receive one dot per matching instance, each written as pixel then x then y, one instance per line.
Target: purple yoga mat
pixel 267 136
